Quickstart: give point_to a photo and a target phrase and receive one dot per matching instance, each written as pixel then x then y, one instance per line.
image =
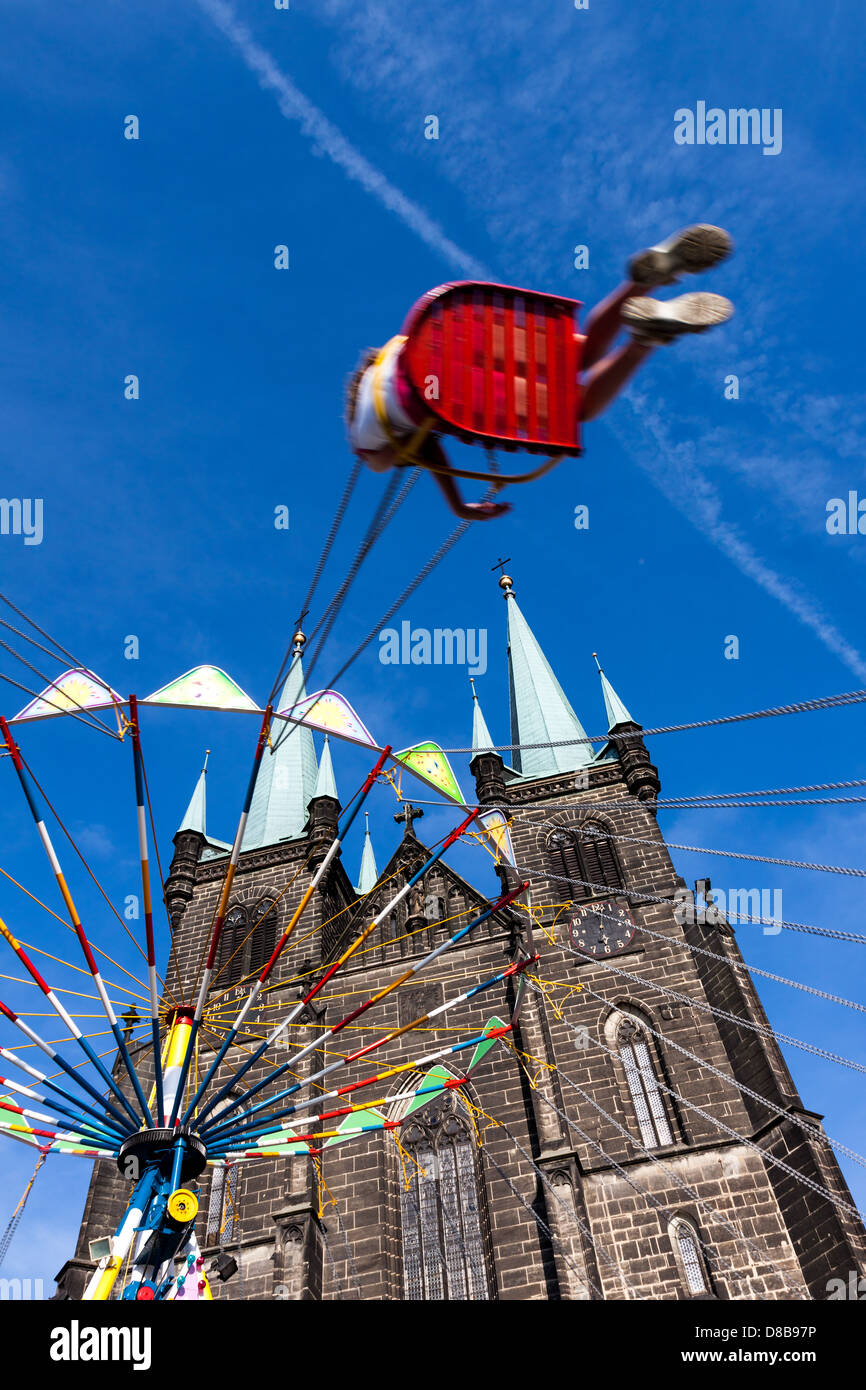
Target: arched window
pixel 445 1254
pixel 584 858
pixel 687 1248
pixel 248 938
pixel 222 1205
pixel 649 1106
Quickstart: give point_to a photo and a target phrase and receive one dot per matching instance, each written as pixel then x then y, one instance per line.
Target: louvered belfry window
pixel 583 858
pixel 248 938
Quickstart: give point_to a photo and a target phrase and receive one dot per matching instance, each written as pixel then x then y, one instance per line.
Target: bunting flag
pixel 498 833
pixel 427 761
pixel 207 687
pixel 329 711
pixel 76 689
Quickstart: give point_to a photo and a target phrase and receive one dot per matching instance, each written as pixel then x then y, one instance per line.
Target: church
pixel 638 1136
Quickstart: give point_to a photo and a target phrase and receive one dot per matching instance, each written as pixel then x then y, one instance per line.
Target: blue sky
pixel 707 516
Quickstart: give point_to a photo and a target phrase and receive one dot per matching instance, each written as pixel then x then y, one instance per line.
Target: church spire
pixel 196 812
pixel 540 711
pixel 369 875
pixel 287 774
pixel 326 784
pixel 481 740
pixel 616 710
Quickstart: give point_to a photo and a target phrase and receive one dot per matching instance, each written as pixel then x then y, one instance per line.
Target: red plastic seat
pixel 497 365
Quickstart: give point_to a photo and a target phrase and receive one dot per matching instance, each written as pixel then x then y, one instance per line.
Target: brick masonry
pixel 604 1206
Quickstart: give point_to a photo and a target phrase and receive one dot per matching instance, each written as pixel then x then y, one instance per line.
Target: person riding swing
pixel 512 374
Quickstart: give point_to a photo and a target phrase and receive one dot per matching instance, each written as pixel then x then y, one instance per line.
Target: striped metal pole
pixel 281 1028
pixel 135 739
pixel 42 829
pixel 254 993
pixel 514 969
pixel 120 1132
pixel 266 1124
pixel 49 1051
pixel 104 1134
pixel 67 1020
pixel 231 870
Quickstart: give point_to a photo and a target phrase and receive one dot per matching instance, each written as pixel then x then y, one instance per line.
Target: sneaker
pixel 690 251
pixel 663 320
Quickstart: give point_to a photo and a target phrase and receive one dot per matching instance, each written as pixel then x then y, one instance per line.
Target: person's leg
pixel 604 322
pixel 652 322
pixel 688 251
pixel 607 378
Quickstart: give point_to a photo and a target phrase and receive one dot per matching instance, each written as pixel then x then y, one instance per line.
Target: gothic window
pixel 445 1252
pixel 646 1096
pixel 687 1249
pixel 248 939
pixel 222 1205
pixel 583 859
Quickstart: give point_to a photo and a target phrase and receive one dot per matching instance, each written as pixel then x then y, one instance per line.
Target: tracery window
pixel 649 1106
pixel 687 1247
pixel 585 859
pixel 445 1254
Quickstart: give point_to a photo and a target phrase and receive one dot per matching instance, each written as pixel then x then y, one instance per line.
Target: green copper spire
pixel 287 774
pixel 481 740
pixel 195 818
pixel 369 873
pixel 325 782
pixel 540 712
pixel 616 710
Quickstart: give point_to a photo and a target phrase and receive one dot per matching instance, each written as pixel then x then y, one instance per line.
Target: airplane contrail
pixel 325 136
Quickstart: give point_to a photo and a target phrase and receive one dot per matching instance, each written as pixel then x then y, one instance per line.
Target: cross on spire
pixel 409 814
pixel 500 564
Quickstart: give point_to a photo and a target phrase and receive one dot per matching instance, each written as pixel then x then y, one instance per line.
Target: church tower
pixel 637 1135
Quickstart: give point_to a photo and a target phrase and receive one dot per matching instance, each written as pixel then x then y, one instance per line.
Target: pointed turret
pixel 326 784
pixel 481 740
pixel 616 710
pixel 540 711
pixel 195 817
pixel 641 776
pixel 189 843
pixel 287 775
pixel 369 875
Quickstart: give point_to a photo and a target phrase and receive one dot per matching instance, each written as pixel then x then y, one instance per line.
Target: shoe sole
pixel 668 318
pixel 687 252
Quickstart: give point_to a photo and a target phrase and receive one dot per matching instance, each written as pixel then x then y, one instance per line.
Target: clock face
pixel 601 929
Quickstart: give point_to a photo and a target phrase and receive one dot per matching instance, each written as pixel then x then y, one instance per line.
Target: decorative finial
pixel 299 641
pixel 506 583
pixel 598 663
pixel 206 756
pixel 474 691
